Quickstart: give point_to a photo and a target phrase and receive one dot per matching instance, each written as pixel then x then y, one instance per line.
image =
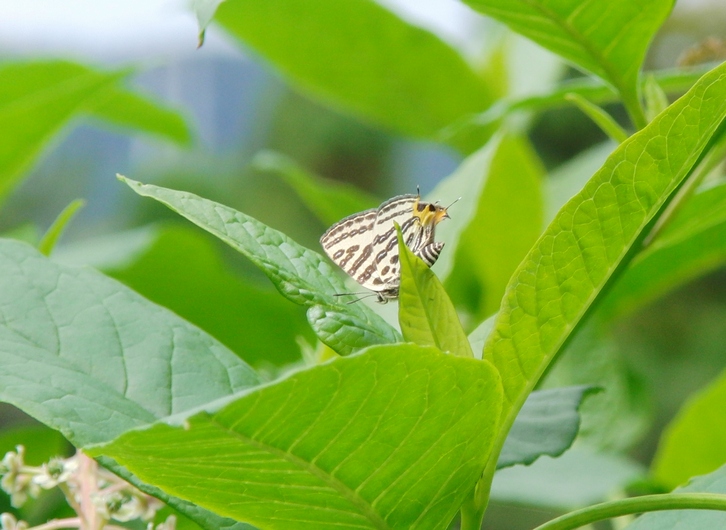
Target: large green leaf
pixel 179 268
pixel 593 235
pixel 393 437
pixel 37 99
pixel 91 358
pixel 546 425
pixel 505 224
pixel 695 441
pixel 300 274
pixel 693 244
pixel 360 57
pixel 606 37
pixel 426 314
pixel 689 519
pixel 329 200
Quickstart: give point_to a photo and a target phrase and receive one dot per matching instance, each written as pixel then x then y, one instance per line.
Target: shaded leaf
pixel 547 425
pixel 608 38
pixel 592 236
pixel 694 443
pixel 390 438
pixel 693 244
pixel 506 221
pixel 712 483
pixel 91 358
pixel 329 200
pixel 426 314
pixel 300 274
pixel 37 99
pixel 600 117
pixel 360 57
pixel 179 268
pixel 566 482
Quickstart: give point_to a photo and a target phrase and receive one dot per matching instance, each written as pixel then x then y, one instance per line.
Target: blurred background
pixel 237 106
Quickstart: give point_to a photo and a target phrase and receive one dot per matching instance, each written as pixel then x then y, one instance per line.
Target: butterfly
pixel 365 244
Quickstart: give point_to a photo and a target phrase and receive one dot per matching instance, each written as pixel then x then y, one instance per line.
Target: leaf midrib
pixel 365 509
pixel 582 41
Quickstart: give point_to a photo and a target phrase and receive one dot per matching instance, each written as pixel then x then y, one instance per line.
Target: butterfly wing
pixel 349 244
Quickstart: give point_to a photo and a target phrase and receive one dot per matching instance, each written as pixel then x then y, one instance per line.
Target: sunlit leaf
pixel 393 437
pixel 591 237
pixel 426 314
pixel 300 274
pixel 606 37
pixel 695 441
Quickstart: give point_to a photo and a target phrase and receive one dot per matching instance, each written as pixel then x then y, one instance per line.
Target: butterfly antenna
pixel 453 203
pixel 418 190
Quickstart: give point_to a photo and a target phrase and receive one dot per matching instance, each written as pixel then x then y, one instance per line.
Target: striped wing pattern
pixel 365 246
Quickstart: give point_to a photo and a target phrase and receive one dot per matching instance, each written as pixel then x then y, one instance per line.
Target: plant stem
pixel 632 104
pixel 646 503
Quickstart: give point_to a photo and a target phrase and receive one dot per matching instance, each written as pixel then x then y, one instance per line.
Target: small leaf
pixel 204 11
pixel 50 238
pixel 329 200
pixel 601 118
pixel 701 519
pixel 91 358
pixel 547 425
pixel 426 314
pixel 393 437
pixel 606 37
pixel 301 275
pixel 358 56
pixel 656 100
pixel 694 443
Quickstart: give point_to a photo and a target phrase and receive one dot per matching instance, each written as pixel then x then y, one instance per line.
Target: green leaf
pixel 656 100
pixel 506 220
pixel 568 481
pixel 547 425
pixel 701 519
pixel 614 420
pixel 300 274
pixel 592 236
pixel 390 438
pixel 360 57
pixel 694 443
pixel 329 200
pixel 179 268
pixel 673 81
pixel 426 314
pixel 606 37
pixel 691 245
pixel 204 11
pixel 141 113
pixel 50 238
pixel 37 99
pixel 566 180
pixel 602 119
pixel 91 358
